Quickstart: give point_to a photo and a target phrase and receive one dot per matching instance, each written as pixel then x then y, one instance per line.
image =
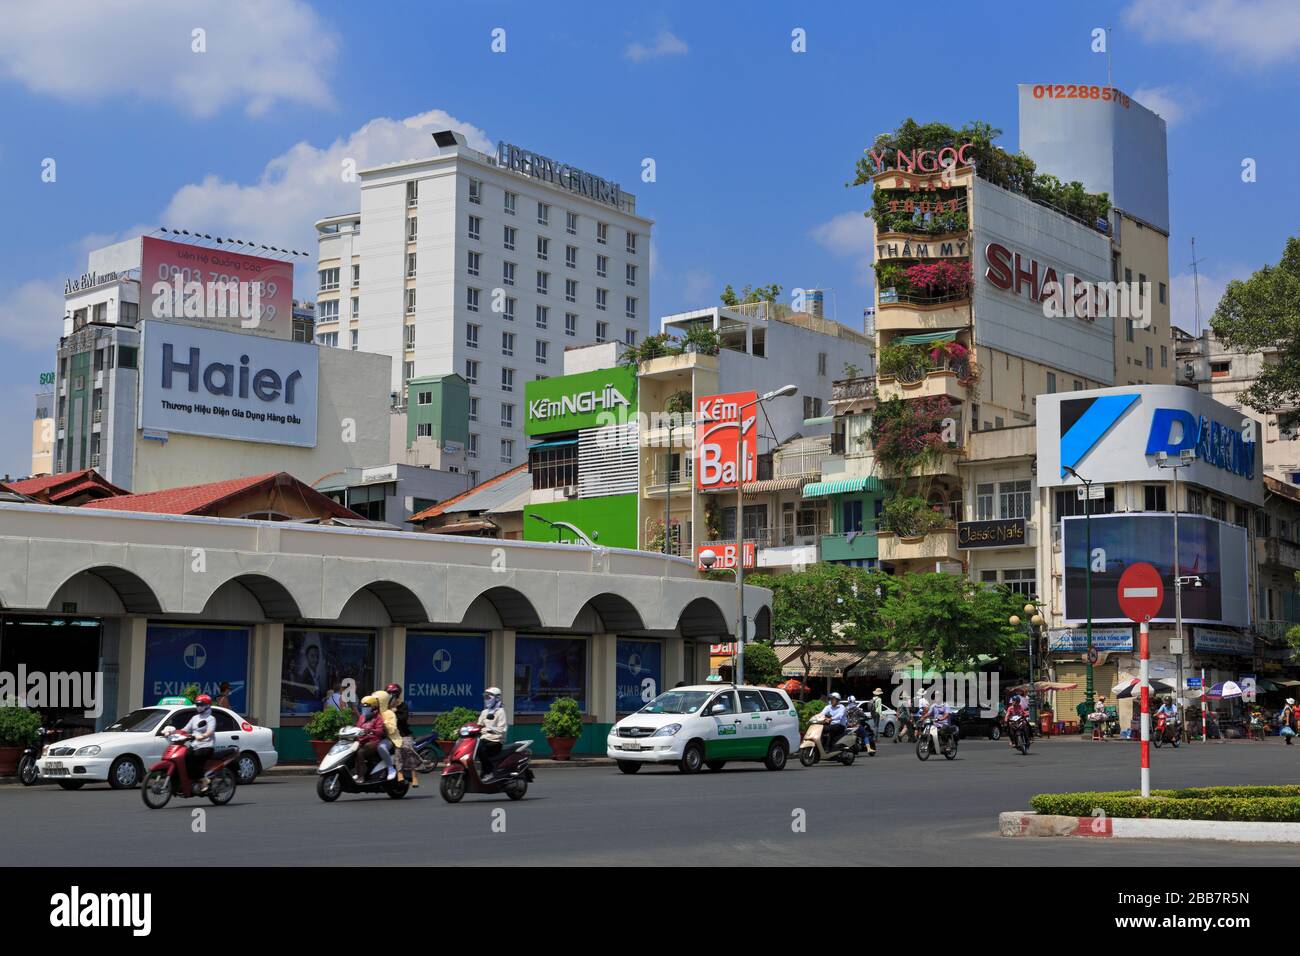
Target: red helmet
pixel 393 689
pixel 203 699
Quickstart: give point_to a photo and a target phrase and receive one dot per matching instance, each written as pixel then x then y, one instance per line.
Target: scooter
pixel 925 745
pixel 28 772
pixel 334 775
pixel 169 777
pixel 510 773
pixel 1018 729
pixel 813 748
pixel 1167 731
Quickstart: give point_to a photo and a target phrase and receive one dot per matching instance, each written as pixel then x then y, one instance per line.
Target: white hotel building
pixel 488 267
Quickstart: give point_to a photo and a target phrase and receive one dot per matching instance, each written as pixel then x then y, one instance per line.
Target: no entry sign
pixel 1141 592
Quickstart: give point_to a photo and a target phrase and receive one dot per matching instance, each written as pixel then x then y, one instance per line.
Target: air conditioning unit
pixel 570 491
pixel 1189 371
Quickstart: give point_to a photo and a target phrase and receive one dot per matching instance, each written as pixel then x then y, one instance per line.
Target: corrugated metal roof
pixel 491 496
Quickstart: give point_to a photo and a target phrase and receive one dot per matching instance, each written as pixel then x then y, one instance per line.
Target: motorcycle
pixel 170 777
pixel 1018 728
pixel 334 775
pixel 510 773
pixel 1168 731
pixel 28 772
pixel 430 754
pixel 947 741
pixel 812 749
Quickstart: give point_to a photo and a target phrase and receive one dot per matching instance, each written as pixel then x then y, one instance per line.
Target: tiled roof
pixel 460 500
pixel 195 499
pixel 66 484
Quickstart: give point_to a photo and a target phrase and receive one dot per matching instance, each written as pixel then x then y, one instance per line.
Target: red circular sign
pixel 1141 592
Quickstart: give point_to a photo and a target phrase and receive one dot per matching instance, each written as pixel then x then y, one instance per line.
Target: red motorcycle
pixel 510 773
pixel 170 777
pixel 1168 731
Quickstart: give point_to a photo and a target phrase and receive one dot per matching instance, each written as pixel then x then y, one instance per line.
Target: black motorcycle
pixel 28 772
pixel 1021 732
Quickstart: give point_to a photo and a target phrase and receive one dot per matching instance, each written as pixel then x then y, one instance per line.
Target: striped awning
pixel 842 486
pixel 925 338
pixel 821 664
pixel 774 484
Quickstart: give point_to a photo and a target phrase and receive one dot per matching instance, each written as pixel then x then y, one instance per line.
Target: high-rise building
pixel 487 267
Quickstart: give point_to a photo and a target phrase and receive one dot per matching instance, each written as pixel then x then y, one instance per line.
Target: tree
pixel 1263 312
pixel 949 620
pixel 763 293
pixel 762 666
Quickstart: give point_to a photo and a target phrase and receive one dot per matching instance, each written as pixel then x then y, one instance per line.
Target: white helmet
pixel 835 695
pixel 852 699
pixel 1291 701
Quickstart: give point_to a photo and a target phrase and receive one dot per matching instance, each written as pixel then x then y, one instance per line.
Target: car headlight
pixel 90 751
pixel 667 730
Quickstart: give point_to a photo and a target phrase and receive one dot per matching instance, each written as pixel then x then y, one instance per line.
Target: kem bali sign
pixel 717 419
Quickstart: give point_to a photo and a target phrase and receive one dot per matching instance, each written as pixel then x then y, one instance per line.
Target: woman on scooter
pixel 371 723
pixel 493 721
pixel 392 742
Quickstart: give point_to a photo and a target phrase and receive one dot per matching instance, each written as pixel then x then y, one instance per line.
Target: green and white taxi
pixel 707 725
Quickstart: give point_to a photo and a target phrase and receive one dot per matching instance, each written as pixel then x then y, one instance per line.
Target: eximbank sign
pixel 585 400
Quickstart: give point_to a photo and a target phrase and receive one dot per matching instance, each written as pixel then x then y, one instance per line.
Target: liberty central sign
pixel 578 403
pixel 548 170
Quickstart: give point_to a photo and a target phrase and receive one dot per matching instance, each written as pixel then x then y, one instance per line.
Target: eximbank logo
pixel 1085 420
pixel 606 399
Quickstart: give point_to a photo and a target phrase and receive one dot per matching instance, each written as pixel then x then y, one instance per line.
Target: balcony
pixel 852 390
pixel 849 546
pixel 936 383
pixel 1278 553
pixel 934 546
pixel 905 313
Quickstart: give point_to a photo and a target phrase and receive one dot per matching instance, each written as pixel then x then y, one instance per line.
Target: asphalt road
pixel 890 809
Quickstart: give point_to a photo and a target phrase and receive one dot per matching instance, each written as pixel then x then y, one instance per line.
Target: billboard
pixel 638 674
pixel 444 671
pixel 547 668
pixel 176 657
pixel 316 661
pixel 584 400
pixel 1212 552
pixel 717 418
pixel 225 385
pixel 217 288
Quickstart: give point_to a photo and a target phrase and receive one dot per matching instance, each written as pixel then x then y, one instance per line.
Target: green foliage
pixel 1263 313
pixel 910 515
pixel 448 725
pixel 908 433
pixel 192 691
pixel 651 347
pixel 826 605
pixel 905 362
pixel 563 719
pixel 18 726
pixel 703 339
pixel 949 619
pixel 1240 803
pixel 807 711
pixel 679 403
pixel 851 370
pixel 762 666
pixel 326 724
pixel 762 293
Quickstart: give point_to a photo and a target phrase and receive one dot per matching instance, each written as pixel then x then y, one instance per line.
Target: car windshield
pixel 138 721
pixel 677 702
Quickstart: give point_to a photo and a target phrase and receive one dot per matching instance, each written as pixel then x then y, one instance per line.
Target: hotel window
pixel 1150 357
pixel 631 243
pixel 475 226
pixel 571 256
pixel 570 323
pixel 329 280
pixel 128 313
pixel 100 310
pixel 570 290
pixel 602 232
pixel 989 578
pixel 1022 581
pixel 542 349
pixel 355 338
pixel 543 214
pixel 507 450
pixel 629 337
pixel 473 262
pixel 509 207
pixel 630 272
pixel 1219 509
pixel 476 191
pixel 410 265
pixel 629 306
pixel 472 414
pixel 1153 498
pixel 471 335
pixel 327 311
pixel 508 343
pixel 471 447
pixel 543 248
pixel 601 296
pixel 507 380
pixel 412 229
pixel 1164 356
pixel 413 192
pixel 508 237
pixel 1078 385
pixel 507 415
pixel 543 316
pixel 471 371
pixel 602 331
pixel 509 313
pixel 571 223
pixel 508 273
pixel 543 282
pixel 1141 288
pixel 356 274
pixel 410 302
pixel 1241 516
pixel 602 266
pixel 1051 382
pixel 1195 502
pixel 471 299
pixel 1128 330
pixel 984 502
pixel 356 307
pixel 1014 499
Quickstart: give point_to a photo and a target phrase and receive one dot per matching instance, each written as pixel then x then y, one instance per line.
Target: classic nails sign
pixel 716 419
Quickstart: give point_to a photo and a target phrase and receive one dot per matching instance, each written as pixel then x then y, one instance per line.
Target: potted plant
pixel 448 725
pixel 324 726
pixel 18 727
pixel 562 725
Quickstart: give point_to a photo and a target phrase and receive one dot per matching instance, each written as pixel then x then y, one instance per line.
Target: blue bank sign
pixel 176 657
pixel 444 671
pixel 198 381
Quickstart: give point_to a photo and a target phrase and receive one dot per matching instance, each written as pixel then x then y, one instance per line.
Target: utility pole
pixel 1196 285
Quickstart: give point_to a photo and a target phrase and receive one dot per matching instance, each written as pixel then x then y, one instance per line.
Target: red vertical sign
pixel 717 418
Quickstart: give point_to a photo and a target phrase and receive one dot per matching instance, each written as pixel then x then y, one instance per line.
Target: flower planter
pixel 321 748
pixel 561 747
pixel 447 746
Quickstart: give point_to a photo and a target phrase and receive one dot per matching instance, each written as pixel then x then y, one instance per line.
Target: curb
pixel 1027 823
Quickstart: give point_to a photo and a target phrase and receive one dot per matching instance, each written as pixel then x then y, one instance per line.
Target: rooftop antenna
pixel 1196 284
pixel 1108 79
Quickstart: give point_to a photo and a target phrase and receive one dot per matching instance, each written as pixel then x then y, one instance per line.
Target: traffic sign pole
pixel 1146 709
pixel 1141 592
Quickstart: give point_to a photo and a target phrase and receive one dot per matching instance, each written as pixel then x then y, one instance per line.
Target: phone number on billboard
pixel 1061 91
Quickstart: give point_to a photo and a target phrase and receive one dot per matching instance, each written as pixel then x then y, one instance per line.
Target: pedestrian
pixel 1289 720
pixel 223 695
pixel 408 761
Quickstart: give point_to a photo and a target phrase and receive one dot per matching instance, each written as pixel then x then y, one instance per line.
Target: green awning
pixel 558 443
pixel 925 338
pixel 842 486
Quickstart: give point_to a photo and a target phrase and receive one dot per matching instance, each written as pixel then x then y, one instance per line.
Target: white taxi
pixel 707 725
pixel 122 753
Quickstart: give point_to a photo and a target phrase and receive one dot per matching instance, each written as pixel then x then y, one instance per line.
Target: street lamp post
pixel 1185 458
pixel 1087 558
pixel 1031 626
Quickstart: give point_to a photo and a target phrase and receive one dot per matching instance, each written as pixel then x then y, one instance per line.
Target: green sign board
pixel 47 378
pixel 610 520
pixel 585 400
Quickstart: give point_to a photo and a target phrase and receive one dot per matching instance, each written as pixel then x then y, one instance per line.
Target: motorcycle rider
pixel 941 717
pixel 493 721
pixel 203 728
pixel 1168 711
pixel 392 741
pixel 837 719
pixel 1290 720
pixel 1015 708
pixel 371 723
pixel 857 720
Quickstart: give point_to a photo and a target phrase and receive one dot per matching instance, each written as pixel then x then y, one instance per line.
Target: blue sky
pixel 752 142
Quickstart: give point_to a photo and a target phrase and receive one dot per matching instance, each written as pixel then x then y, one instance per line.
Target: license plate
pixel 56 771
pixel 632 745
pixel 54 765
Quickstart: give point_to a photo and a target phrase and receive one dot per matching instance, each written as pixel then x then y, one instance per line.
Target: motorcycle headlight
pixel 90 751
pixel 667 730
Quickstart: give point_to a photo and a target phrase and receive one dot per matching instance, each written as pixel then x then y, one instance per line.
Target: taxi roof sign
pixel 713 679
pixel 175 700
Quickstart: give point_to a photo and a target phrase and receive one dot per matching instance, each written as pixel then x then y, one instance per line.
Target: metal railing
pixel 850 389
pixel 797 463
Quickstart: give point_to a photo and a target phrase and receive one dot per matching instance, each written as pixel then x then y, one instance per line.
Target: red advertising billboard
pixel 716 421
pixel 217 288
pixel 726 556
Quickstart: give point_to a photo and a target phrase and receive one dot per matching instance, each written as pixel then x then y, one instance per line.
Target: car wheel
pixel 72 784
pixel 692 758
pixel 995 732
pixel 776 756
pixel 247 768
pixel 629 766
pixel 125 773
pixel 887 730
pixel 715 765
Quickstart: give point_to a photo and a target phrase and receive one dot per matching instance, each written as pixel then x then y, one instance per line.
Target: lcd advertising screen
pixel 315 661
pixel 1212 559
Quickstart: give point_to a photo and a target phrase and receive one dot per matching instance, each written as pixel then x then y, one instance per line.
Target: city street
pixel 891 809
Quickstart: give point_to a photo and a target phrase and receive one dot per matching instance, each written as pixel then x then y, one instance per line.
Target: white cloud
pixel 32 314
pixel 665 44
pixel 257 54
pixel 851 236
pixel 1172 103
pixel 1263 31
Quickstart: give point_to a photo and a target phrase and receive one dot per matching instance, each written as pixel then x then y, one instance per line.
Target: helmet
pixel 203 700
pixel 370 700
pixel 852 699
pixel 835 695
pixel 1015 698
pixel 492 692
pixel 393 689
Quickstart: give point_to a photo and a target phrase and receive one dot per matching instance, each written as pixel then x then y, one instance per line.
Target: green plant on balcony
pixel 934 213
pixel 712 518
pixel 763 293
pixel 678 403
pixel 944 278
pixel 907 363
pixel 703 339
pixel 911 516
pixel 651 347
pixel 891 275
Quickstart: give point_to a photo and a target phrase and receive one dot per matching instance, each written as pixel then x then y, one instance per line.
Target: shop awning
pixel 925 338
pixel 883 663
pixel 559 442
pixel 820 420
pixel 822 664
pixel 842 486
pixel 774 484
